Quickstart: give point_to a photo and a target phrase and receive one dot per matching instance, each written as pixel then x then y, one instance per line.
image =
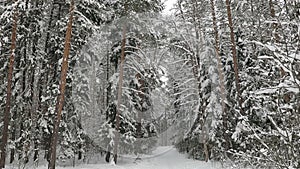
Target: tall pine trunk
pixel 8 94
pixel 117 135
pixel 234 55
pixel 13 137
pixel 60 99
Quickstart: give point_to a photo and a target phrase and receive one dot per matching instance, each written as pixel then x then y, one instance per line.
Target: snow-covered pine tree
pixel 41 25
pixel 136 63
pixel 266 69
pixel 194 47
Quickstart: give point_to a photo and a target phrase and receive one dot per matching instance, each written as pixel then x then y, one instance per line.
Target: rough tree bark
pixel 196 66
pixel 44 76
pixel 36 76
pixel 217 49
pixel 117 134
pixel 140 100
pixel 60 99
pixel 8 94
pixel 234 55
pixel 220 69
pixel 274 25
pixel 108 88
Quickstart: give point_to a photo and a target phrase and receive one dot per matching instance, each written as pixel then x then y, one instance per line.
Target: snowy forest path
pixel 172 160
pixel 168 159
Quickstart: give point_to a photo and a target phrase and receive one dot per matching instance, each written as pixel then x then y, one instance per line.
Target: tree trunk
pixel 60 99
pixel 234 55
pixel 220 70
pixel 8 94
pixel 141 95
pixel 108 89
pixel 42 78
pixel 117 135
pixel 80 152
pixel 274 25
pixel 13 137
pixel 35 104
pixel 35 95
pixel 217 49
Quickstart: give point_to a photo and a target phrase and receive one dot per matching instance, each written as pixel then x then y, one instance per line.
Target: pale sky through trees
pixel 169 5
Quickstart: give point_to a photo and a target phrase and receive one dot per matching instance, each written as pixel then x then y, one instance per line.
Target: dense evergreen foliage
pixel 172 79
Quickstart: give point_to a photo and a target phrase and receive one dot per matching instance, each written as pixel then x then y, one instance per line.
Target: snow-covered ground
pixel 163 158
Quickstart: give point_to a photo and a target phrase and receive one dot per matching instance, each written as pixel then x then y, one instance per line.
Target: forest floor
pixel 162 158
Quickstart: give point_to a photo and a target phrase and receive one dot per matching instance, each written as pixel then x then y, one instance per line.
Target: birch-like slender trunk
pixel 220 69
pixel 217 49
pixel 108 88
pixel 8 94
pixel 60 99
pixel 117 134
